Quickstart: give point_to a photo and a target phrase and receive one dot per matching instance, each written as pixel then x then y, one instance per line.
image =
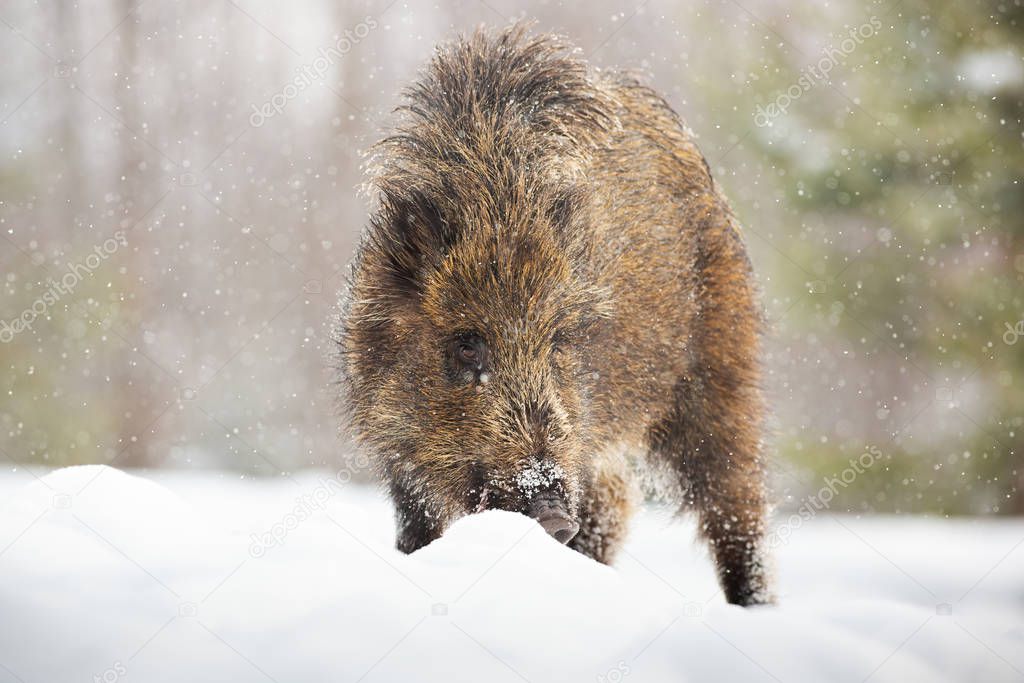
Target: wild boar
pixel 552 301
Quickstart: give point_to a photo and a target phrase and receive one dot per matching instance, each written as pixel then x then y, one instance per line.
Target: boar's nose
pixel 549 511
pixel 561 527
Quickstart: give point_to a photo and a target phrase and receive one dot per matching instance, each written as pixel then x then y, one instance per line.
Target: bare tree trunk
pixel 75 178
pixel 132 394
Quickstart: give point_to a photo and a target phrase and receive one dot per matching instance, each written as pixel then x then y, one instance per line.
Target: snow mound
pixel 201 577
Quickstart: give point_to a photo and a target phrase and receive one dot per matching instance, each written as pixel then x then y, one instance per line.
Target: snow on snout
pixel 538 475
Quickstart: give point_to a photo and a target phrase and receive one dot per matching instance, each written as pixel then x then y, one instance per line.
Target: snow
pixel 205 577
pixel 537 475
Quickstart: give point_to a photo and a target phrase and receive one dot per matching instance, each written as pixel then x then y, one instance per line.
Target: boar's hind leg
pixel 711 436
pixel 605 512
pixel 721 478
pixel 413 526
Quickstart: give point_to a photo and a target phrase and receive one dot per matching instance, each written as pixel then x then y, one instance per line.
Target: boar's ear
pixel 566 213
pixel 412 234
pixel 566 208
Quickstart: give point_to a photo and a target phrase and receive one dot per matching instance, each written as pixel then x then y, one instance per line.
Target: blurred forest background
pixel 196 165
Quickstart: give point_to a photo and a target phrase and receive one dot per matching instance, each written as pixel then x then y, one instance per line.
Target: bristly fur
pixel 551 273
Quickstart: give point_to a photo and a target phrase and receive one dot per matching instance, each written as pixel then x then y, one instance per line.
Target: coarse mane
pixel 492 115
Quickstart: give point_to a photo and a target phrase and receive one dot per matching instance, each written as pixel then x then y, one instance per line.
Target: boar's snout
pixel 560 526
pixel 549 511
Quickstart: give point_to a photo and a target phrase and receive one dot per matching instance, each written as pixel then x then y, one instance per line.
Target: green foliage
pixel 901 185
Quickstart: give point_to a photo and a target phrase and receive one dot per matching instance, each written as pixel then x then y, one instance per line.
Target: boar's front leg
pixel 414 527
pixel 604 515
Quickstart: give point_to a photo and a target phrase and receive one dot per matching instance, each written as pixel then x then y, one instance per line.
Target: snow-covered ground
pixel 105 576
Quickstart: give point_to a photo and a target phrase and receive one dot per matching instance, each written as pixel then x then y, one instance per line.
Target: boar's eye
pixel 468 352
pixel 559 344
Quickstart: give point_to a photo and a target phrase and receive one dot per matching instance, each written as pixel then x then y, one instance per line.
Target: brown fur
pixel 558 227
